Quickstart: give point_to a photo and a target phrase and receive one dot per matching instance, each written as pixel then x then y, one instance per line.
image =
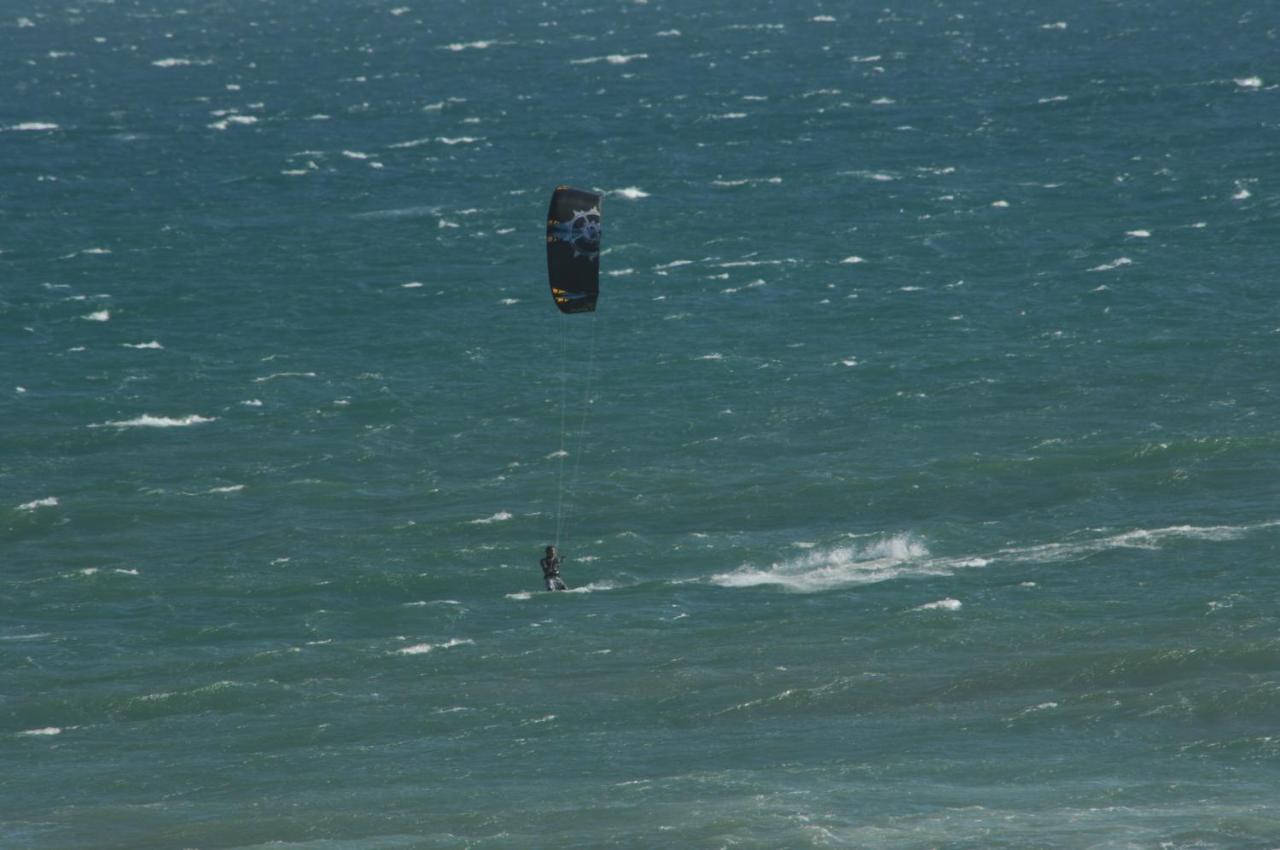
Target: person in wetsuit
pixel 551 570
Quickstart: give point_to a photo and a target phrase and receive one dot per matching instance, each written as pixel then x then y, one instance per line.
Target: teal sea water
pixel 917 476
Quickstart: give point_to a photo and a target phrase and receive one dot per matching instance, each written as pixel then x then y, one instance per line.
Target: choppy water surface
pixel 916 477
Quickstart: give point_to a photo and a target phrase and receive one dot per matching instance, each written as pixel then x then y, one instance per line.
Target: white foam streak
pixel 500 516
pixel 272 377
pixel 1141 538
pixel 593 586
pixel 180 62
pixel 1114 264
pixel 612 59
pixel 146 420
pixel 458 47
pixel 424 648
pixel 947 604
pixel 823 569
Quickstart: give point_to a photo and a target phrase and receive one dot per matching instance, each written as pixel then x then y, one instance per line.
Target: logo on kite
pixel 582 232
pixel 573 249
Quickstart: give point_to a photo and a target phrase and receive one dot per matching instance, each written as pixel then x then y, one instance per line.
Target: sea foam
pixel 823 569
pixel 424 648
pixel 146 420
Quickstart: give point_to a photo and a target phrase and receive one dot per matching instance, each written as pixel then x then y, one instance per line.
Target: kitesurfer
pixel 551 570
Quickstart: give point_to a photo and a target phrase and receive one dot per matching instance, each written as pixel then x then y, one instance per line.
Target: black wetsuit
pixel 551 572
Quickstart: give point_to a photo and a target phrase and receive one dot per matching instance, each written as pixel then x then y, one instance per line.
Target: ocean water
pixel 917 476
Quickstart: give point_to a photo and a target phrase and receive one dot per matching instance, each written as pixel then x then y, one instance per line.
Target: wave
pixel 423 648
pixel 905 555
pixel 500 516
pixel 146 420
pixel 593 586
pixel 31 127
pixel 1140 538
pixel 823 569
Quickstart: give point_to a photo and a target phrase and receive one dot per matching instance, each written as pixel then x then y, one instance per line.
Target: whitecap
pixel 1141 538
pixel 458 47
pixel 272 377
pixel 947 604
pixel 47 730
pixel 180 62
pixel 149 345
pixel 1001 204
pixel 713 356
pixel 1114 264
pixel 828 568
pixel 252 402
pixel 1249 82
pixel 99 316
pixel 413 284
pixel 612 59
pixel 593 586
pixel 459 140
pixel 423 648
pixel 630 193
pixel 1138 234
pixel 823 19
pixel 669 34
pixel 521 595
pixel 500 516
pixel 232 488
pixel 851 260
pixel 148 421
pixel 50 502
